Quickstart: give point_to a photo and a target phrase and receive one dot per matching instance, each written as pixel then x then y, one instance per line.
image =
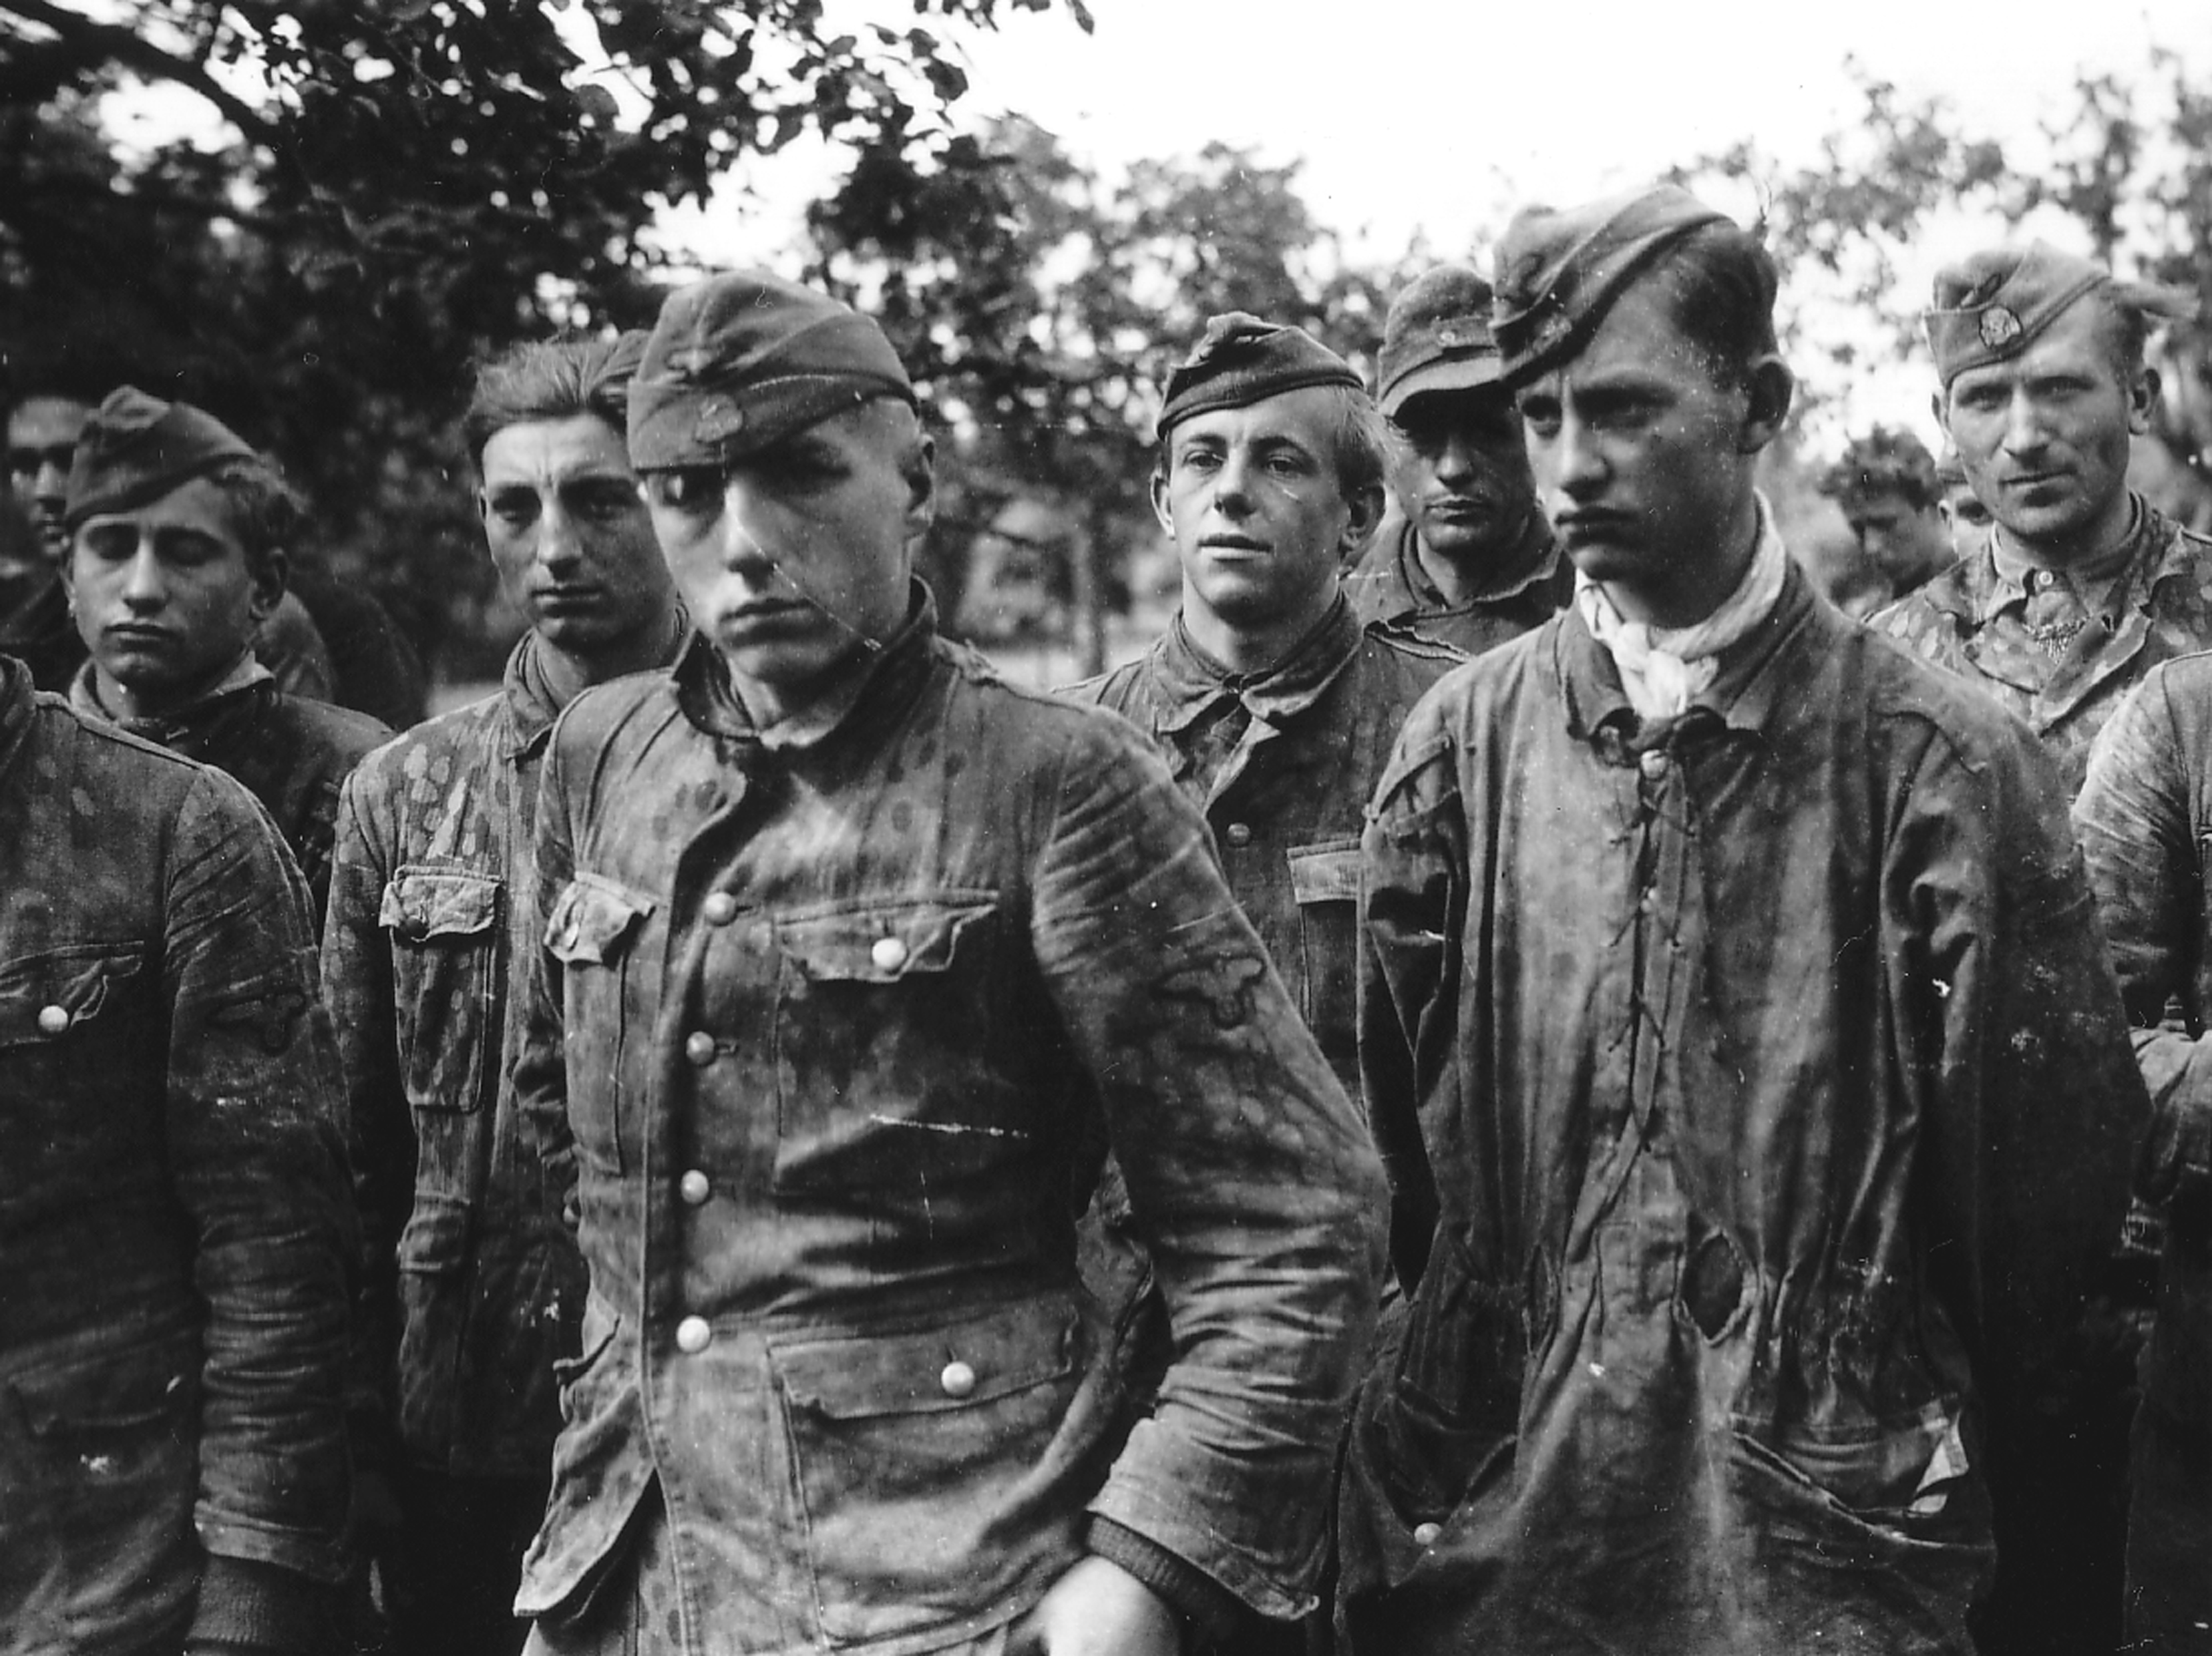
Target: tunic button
pixel 889 953
pixel 1240 834
pixel 719 909
pixel 958 1380
pixel 1425 1535
pixel 53 1019
pixel 699 1047
pixel 1653 763
pixel 693 1336
pixel 695 1186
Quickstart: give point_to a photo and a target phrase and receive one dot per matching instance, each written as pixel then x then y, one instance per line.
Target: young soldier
pixel 35 624
pixel 1886 486
pixel 2083 586
pixel 1465 554
pixel 1277 709
pixel 1736 1016
pixel 474 1286
pixel 852 956
pixel 173 1224
pixel 178 532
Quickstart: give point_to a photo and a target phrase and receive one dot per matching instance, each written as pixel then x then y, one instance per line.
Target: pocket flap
pixel 43 996
pixel 592 919
pixel 422 903
pixel 935 1369
pixel 1326 873
pixel 881 944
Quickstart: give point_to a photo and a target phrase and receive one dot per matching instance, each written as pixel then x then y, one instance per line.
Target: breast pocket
pixel 884 1039
pixel 924 1463
pixel 593 933
pixel 443 923
pixel 1325 884
pixel 75 1028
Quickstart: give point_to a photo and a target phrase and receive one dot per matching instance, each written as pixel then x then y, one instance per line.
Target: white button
pixel 53 1019
pixel 1653 763
pixel 1425 1535
pixel 889 953
pixel 1240 834
pixel 719 909
pixel 699 1047
pixel 695 1186
pixel 958 1380
pixel 693 1336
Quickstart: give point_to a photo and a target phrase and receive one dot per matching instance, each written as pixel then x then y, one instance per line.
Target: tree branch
pixel 84 42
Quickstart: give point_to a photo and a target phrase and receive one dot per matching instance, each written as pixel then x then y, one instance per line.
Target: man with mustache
pixel 177 530
pixel 1735 1025
pixel 2083 586
pixel 1464 554
pixel 855 961
pixel 473 1285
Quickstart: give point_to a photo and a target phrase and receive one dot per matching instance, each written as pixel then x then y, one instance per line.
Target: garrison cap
pixel 1559 273
pixel 136 448
pixel 737 363
pixel 1995 304
pixel 1437 338
pixel 1240 360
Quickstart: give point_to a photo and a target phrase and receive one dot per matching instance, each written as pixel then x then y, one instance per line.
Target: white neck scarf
pixel 1663 669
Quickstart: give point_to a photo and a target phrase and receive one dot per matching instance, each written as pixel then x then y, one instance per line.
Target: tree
pixel 414 183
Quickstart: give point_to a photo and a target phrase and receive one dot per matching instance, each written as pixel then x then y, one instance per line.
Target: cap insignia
pixel 719 417
pixel 1999 326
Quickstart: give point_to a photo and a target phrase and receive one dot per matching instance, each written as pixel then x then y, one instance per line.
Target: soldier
pixel 1735 1012
pixel 1276 707
pixel 2083 586
pixel 1886 486
pixel 177 555
pixel 173 1223
pixel 1965 519
pixel 35 624
pixel 1465 554
pixel 474 1286
pixel 856 950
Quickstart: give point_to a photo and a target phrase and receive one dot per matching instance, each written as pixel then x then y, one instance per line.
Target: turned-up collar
pixel 1190 683
pixel 180 726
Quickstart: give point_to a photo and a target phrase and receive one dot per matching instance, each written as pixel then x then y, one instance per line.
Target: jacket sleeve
pixel 358 988
pixel 259 1169
pixel 2136 823
pixel 1413 900
pixel 1251 1183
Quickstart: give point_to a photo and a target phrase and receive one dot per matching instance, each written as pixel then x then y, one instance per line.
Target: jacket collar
pixel 17 697
pixel 1188 683
pixel 180 727
pixel 1980 587
pixel 529 706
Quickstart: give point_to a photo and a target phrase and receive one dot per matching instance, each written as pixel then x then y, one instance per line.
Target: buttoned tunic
pixel 474 1286
pixel 1763 1077
pixel 1283 763
pixel 173 1224
pixel 1388 585
pixel 842 1005
pixel 1972 619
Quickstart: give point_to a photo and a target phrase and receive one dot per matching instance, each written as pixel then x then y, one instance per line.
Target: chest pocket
pixel 75 1033
pixel 444 929
pixel 48 999
pixel 1325 885
pixel 593 933
pixel 883 1047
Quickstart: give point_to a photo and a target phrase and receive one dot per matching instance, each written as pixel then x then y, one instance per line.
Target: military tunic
pixel 1388 585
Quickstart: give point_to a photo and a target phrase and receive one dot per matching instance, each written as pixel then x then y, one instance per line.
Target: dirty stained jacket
pixel 2145 822
pixel 1282 763
pixel 1388 585
pixel 173 1223
pixel 842 1005
pixel 1760 1081
pixel 473 1285
pixel 292 754
pixel 1972 619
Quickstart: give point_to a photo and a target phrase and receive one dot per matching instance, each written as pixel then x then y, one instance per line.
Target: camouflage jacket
pixel 1283 763
pixel 1765 1090
pixel 1972 619
pixel 1388 585
pixel 825 1022
pixel 173 1224
pixel 292 754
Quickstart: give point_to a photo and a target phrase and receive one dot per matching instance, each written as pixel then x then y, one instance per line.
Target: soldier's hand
pixel 1097 1609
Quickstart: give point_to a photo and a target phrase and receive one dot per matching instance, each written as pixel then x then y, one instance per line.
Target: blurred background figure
pixel 1886 485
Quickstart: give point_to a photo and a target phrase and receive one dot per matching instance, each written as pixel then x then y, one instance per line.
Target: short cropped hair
pixel 1885 461
pixel 1722 282
pixel 266 513
pixel 1358 438
pixel 551 380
